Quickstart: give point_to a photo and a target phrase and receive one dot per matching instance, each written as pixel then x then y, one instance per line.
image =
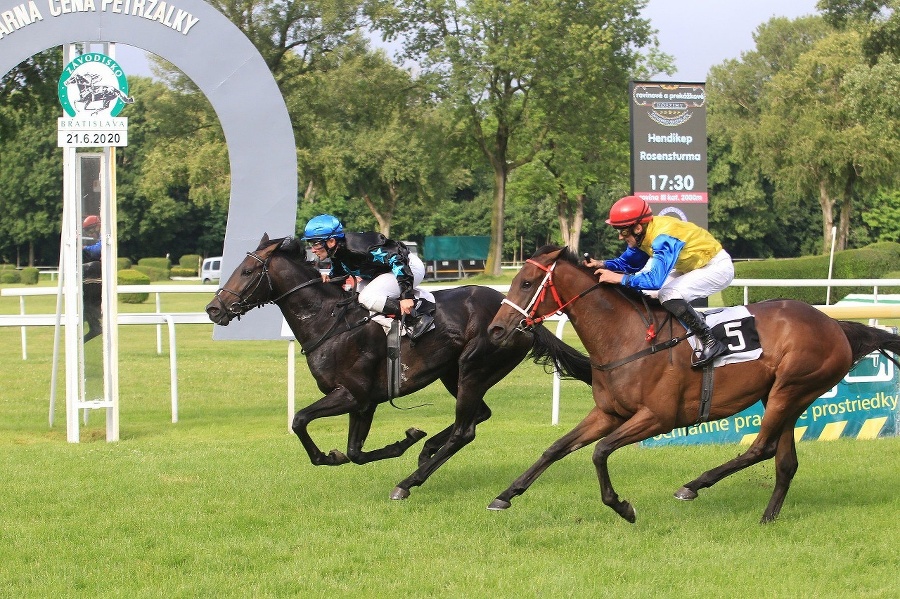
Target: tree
pixel 31 173
pixel 372 133
pixel 492 59
pixel 814 140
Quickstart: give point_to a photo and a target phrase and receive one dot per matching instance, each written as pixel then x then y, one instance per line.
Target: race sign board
pixel 93 90
pixel 668 148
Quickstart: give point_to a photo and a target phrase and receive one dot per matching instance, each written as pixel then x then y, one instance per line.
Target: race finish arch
pixel 227 68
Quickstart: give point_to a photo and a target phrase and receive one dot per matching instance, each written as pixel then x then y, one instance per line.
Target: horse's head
pixel 532 296
pixel 248 287
pixel 75 79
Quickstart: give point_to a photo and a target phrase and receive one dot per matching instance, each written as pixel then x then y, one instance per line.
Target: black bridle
pixel 242 305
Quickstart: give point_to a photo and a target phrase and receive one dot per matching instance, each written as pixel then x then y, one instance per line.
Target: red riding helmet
pixel 629 211
pixel 90 221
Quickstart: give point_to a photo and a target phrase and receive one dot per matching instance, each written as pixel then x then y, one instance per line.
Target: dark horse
pixel 347 354
pixel 805 353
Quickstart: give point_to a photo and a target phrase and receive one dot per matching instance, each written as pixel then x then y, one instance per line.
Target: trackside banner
pixel 863 405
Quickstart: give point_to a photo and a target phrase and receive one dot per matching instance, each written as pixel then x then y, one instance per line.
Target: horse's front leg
pixel 642 425
pixel 360 424
pixel 595 425
pixel 337 402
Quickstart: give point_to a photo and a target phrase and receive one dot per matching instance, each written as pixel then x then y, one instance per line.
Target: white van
pixel 211 270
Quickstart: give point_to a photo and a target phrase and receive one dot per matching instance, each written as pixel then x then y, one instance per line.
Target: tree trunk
pixel 827 204
pixel 571 219
pixel 495 254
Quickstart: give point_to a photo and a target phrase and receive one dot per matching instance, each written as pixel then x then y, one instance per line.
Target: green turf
pixel 226 504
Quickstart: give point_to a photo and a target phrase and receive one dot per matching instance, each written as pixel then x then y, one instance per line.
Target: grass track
pixel 226 504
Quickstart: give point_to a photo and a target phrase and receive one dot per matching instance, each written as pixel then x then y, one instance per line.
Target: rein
pixel 242 306
pixel 547 283
pixel 530 319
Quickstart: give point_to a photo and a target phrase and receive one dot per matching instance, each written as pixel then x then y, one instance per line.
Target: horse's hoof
pixel 499 504
pixel 629 513
pixel 415 434
pixel 336 458
pixel 399 493
pixel 685 494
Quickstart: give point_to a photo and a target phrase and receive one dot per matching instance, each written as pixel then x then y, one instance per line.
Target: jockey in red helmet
pixel 678 260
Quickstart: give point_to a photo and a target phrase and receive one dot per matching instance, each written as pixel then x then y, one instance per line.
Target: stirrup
pixel 708 353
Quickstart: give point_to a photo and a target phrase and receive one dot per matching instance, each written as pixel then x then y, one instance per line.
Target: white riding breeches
pixel 373 293
pixel 715 276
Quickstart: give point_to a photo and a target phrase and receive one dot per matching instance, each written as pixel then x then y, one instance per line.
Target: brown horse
pixel 805 353
pixel 347 354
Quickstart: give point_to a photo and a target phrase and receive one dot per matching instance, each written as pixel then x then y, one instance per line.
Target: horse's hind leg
pixel 785 468
pixel 595 425
pixel 360 424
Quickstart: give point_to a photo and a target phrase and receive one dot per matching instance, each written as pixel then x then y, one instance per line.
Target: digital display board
pixel 668 148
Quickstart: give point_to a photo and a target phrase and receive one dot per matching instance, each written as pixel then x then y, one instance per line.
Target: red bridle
pixel 530 310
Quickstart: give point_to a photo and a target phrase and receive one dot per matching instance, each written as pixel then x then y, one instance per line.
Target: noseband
pixel 530 310
pixel 242 306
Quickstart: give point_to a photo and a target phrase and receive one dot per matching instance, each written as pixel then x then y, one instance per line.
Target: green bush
pixel 178 271
pixel 133 277
pixel 871 262
pixel 191 261
pixel 123 263
pixel 154 274
pixel 10 276
pixel 160 263
pixel 30 275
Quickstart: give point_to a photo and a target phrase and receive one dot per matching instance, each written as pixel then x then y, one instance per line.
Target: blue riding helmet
pixel 324 226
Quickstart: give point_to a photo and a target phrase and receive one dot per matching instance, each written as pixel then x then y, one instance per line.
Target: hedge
pixel 30 275
pixel 133 277
pixel 10 276
pixel 191 261
pixel 153 274
pixel 875 261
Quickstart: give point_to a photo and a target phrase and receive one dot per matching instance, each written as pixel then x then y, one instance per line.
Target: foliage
pixel 190 261
pixel 30 275
pixel 872 262
pixel 132 277
pixel 10 276
pixel 495 61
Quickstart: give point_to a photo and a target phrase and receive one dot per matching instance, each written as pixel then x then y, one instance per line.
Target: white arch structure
pixel 227 68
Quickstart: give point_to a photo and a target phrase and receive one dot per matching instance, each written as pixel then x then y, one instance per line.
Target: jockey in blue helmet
pixel 386 272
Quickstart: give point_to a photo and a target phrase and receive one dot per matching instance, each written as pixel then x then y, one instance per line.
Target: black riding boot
pixel 425 314
pixel 710 346
pixel 416 323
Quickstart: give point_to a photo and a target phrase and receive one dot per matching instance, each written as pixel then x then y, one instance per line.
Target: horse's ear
pixel 264 240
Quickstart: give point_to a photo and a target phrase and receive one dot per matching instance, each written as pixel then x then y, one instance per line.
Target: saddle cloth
pixel 736 328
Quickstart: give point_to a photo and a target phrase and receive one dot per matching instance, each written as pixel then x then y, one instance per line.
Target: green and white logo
pixel 93 84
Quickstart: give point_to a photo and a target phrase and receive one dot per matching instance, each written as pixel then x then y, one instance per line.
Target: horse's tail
pixel 865 339
pixel 553 354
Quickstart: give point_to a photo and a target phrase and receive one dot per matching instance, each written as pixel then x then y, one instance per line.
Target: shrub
pixel 133 277
pixel 160 263
pixel 871 262
pixel 178 271
pixel 123 263
pixel 30 275
pixel 10 276
pixel 191 261
pixel 154 274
